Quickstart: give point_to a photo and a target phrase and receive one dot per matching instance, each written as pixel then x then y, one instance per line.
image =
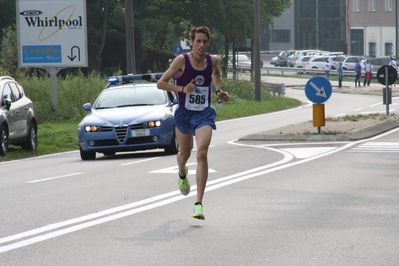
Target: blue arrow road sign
pixel 318 89
pixel 178 49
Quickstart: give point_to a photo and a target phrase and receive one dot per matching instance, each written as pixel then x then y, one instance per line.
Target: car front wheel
pixel 31 140
pixel 3 140
pixel 173 147
pixel 87 155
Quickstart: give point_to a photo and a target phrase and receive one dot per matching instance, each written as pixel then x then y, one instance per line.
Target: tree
pixel 8 51
pixel 7 16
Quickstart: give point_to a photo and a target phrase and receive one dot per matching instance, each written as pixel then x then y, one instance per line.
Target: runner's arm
pixel 177 66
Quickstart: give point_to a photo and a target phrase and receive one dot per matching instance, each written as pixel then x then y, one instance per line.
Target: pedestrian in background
pixel 327 67
pixel 340 71
pixel 393 64
pixel 368 68
pixel 358 72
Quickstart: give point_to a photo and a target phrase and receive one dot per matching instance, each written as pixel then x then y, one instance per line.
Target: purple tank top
pixel 202 96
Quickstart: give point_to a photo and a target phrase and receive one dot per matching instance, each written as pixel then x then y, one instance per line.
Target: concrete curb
pixel 359 135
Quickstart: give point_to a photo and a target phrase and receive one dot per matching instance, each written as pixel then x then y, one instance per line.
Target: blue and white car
pixel 129 115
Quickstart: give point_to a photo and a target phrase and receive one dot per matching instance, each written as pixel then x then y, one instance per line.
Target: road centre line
pixel 166 198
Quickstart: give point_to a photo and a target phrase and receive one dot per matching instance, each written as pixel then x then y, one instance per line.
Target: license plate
pixel 140 132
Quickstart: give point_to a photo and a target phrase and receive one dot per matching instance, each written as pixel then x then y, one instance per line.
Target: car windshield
pixel 130 96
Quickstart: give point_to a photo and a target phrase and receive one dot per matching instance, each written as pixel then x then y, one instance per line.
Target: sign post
pixel 52 34
pixel 387 75
pixel 318 90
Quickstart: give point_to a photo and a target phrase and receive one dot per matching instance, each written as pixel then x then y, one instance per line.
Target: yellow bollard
pixel 319 119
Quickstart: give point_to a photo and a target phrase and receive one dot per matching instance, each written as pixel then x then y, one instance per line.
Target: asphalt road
pixel 325 203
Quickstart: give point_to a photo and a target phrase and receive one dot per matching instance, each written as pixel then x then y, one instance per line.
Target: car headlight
pixel 152 124
pixel 91 128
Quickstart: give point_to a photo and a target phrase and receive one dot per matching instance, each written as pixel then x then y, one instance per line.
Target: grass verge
pixel 57 129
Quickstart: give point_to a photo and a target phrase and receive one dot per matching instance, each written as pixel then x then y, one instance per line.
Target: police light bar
pixel 132 78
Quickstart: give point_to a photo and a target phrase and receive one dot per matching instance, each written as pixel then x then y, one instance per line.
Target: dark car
pixel 18 125
pixel 129 116
pixel 381 61
pixel 282 58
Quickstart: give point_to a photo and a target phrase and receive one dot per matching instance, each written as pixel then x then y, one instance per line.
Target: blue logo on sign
pixel 41 54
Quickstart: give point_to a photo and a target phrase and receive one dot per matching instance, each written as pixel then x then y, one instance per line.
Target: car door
pixel 21 107
pixel 12 114
pixel 349 63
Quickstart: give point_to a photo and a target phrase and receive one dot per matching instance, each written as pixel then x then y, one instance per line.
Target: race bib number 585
pixel 198 99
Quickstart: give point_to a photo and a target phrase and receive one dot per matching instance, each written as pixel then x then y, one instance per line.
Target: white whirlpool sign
pixel 52 33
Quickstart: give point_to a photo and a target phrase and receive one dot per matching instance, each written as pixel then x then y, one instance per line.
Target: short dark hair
pixel 201 29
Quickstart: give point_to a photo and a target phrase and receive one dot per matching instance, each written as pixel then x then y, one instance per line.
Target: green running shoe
pixel 184 185
pixel 197 213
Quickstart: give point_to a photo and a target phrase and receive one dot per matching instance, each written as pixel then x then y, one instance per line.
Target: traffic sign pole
pixel 319 119
pixel 386 91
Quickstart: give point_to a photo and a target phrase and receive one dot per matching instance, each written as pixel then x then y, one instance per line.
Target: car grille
pixel 121 133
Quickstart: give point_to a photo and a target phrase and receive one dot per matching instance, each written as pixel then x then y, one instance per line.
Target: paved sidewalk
pixel 348 87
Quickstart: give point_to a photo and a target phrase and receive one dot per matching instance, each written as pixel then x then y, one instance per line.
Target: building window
pixel 371 5
pixel 356 5
pixel 388 49
pixel 280 36
pixel 372 49
pixel 388 5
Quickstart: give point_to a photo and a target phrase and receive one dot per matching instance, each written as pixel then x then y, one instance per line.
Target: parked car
pixel 18 124
pixel 273 61
pixel 378 62
pixel 291 60
pixel 283 57
pixel 129 116
pixel 334 61
pixel 381 61
pixel 348 63
pixel 316 62
pixel 243 63
pixel 301 63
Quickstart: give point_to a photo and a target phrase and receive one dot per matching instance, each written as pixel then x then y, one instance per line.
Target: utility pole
pixel 130 51
pixel 256 51
pixel 396 28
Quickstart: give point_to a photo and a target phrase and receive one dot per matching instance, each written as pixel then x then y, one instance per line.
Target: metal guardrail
pixel 308 71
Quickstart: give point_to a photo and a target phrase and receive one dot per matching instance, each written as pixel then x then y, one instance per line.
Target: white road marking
pixel 58 229
pixel 302 153
pixel 55 177
pixel 377 147
pixel 174 170
pixel 150 159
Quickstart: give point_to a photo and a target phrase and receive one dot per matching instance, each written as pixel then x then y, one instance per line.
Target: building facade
pixel 355 27
pixel 372 27
pixel 320 24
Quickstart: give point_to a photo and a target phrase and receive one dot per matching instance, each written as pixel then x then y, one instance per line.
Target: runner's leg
pixel 186 145
pixel 203 136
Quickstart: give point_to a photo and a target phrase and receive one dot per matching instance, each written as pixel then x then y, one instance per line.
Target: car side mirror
pixel 8 104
